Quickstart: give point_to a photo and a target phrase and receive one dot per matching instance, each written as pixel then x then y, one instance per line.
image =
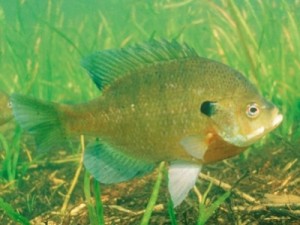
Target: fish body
pixel 160 102
pixel 144 122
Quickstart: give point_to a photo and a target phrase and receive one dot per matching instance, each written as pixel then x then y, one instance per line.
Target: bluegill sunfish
pixel 160 101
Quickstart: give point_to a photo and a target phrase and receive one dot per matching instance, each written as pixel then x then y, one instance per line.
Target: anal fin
pixel 109 165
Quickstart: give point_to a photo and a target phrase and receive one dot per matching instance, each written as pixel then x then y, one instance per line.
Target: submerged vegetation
pixel 41 46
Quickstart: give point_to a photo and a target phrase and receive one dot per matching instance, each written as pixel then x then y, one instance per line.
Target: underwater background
pixel 41 46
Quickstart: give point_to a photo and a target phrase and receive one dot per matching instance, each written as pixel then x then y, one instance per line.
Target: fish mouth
pixel 256 134
pixel 261 131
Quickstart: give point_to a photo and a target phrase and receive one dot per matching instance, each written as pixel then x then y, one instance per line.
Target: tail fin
pixel 40 119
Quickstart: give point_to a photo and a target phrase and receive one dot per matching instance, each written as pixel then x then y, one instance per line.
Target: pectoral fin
pixel 182 177
pixel 195 146
pixel 109 165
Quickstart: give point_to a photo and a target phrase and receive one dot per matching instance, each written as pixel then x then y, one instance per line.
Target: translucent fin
pixel 41 120
pixel 182 177
pixel 106 66
pixel 109 166
pixel 195 146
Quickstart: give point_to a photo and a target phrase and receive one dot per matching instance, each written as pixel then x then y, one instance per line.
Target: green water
pixel 42 43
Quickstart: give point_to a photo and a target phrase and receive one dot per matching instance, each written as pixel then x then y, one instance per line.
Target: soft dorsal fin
pixel 106 66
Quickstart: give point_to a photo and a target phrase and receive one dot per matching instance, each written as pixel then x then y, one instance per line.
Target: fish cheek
pixel 216 112
pixel 225 122
pixel 225 118
pixel 246 124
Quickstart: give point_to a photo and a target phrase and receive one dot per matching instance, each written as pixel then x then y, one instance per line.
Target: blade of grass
pixel 75 179
pixel 205 212
pixel 95 208
pixel 16 152
pixel 171 212
pixel 99 206
pixel 245 35
pixel 149 209
pixel 6 168
pixel 12 151
pixel 89 200
pixel 9 210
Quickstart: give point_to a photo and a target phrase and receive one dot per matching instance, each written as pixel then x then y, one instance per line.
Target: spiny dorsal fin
pixel 106 66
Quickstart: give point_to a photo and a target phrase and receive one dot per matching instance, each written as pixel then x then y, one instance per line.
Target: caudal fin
pixel 40 119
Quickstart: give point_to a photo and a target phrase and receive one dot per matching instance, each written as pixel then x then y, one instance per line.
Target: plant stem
pixel 154 195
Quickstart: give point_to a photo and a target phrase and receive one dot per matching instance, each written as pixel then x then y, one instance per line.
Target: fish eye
pixel 252 110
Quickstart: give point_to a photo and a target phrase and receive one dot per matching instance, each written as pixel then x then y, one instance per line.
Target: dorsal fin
pixel 106 66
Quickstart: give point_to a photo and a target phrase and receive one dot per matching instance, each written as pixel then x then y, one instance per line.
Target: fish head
pixel 242 117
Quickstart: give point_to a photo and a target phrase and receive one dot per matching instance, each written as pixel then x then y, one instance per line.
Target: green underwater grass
pixel 12 151
pixel 42 45
pixel 11 212
pixel 205 210
pixel 95 207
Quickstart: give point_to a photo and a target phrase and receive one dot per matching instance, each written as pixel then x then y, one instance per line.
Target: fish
pixel 159 101
pixel 6 113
